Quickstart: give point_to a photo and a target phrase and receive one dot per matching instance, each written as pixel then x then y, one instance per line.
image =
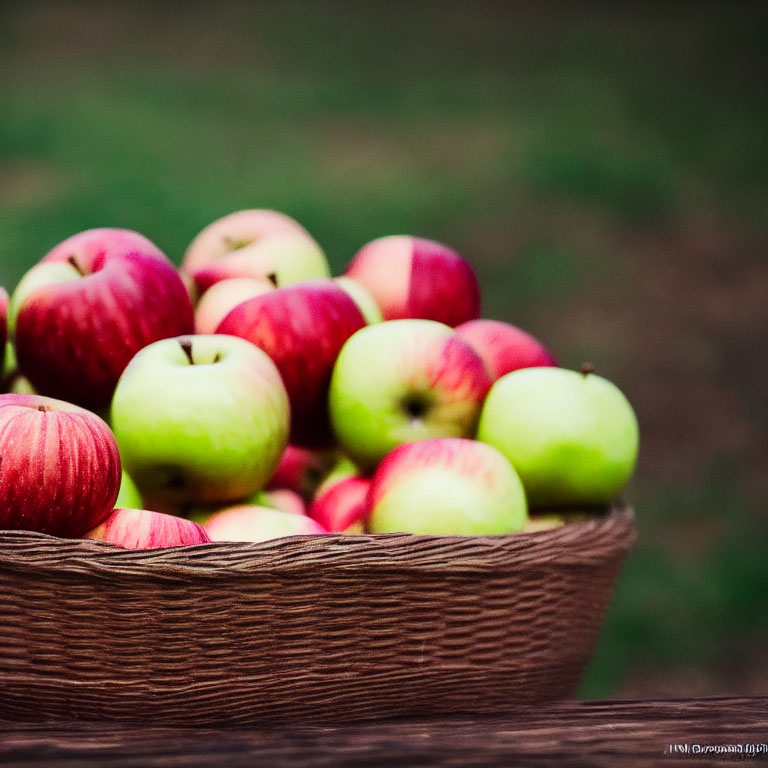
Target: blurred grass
pixel 544 143
pixel 686 602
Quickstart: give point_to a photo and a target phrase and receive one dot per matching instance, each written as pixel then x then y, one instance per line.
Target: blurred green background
pixel 605 170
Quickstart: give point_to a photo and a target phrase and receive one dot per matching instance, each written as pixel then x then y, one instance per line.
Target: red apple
pixel 505 347
pixel 301 470
pixel 59 466
pixel 302 328
pixel 142 529
pixel 253 523
pixel 414 277
pixel 216 303
pixel 78 321
pixel 234 231
pixel 343 507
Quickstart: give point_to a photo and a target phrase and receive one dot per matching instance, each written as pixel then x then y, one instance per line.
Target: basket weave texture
pixel 311 628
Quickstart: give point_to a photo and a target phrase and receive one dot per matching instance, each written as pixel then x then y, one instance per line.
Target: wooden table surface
pixel 572 733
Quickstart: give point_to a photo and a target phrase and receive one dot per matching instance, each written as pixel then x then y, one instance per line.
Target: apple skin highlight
pixel 75 334
pixel 412 277
pixel 302 328
pixel 200 419
pixel 572 437
pixel 60 471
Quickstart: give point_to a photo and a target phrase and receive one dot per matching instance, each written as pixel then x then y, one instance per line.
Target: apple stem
pixel 231 244
pixel 272 277
pixel 415 407
pixel 587 368
pixel 186 345
pixel 217 358
pixel 73 261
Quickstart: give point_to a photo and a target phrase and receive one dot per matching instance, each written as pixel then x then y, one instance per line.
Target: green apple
pixel 200 419
pixel 129 496
pixel 404 380
pixel 446 486
pixel 572 437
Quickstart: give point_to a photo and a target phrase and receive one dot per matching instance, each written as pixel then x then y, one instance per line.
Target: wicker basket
pixel 316 629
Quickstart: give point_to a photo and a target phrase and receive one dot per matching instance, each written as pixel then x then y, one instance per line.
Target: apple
pixel 129 496
pixel 414 277
pixel 143 529
pixel 253 523
pixel 301 470
pixel 60 466
pixel 505 347
pixel 342 507
pixel 283 499
pixel 302 328
pixel 82 313
pixel 220 298
pixel 234 231
pixel 362 297
pixel 401 381
pixel 200 419
pixel 572 437
pixel 446 486
pixel 284 259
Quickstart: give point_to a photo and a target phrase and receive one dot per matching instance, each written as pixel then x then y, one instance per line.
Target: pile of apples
pixel 249 395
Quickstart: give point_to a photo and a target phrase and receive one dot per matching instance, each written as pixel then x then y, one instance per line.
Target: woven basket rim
pixel 578 543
